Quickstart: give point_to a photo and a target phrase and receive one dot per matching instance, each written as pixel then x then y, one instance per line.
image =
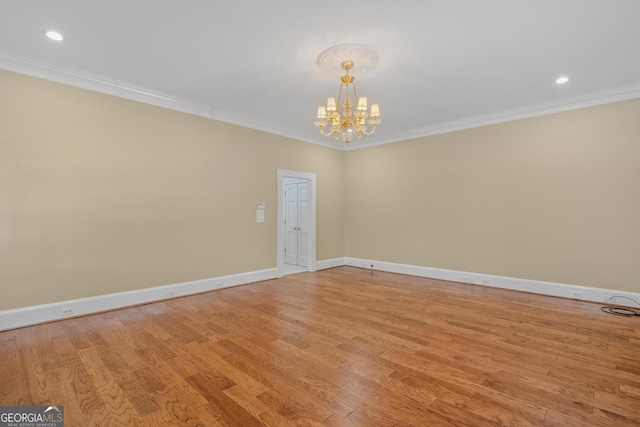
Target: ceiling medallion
pixel 338 118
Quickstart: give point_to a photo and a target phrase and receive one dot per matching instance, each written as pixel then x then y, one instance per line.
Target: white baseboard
pixel 26 316
pixel 17 318
pixel 330 263
pixel 534 286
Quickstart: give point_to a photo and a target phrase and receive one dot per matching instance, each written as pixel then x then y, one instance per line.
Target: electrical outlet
pixel 576 294
pixel 484 281
pixel 67 311
pixel 218 284
pixel 170 294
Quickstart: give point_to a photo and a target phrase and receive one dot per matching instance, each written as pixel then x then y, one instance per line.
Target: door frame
pixel 311 248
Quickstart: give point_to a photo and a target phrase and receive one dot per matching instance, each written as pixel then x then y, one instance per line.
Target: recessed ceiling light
pixel 54 35
pixel 562 80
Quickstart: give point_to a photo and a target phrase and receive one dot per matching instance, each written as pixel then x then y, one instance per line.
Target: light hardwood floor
pixel 340 347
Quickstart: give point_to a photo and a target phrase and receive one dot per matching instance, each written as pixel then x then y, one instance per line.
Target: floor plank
pixel 339 347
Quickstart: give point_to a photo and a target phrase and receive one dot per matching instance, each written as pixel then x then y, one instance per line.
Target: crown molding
pixel 240 121
pixel 73 77
pixel 592 99
pixel 70 76
pixel 66 75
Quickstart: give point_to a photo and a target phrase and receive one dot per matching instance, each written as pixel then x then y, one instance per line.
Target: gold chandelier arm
pixel 340 96
pixel 374 123
pixel 348 118
pixel 322 131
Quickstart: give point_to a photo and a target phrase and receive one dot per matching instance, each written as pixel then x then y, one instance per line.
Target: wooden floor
pixel 340 347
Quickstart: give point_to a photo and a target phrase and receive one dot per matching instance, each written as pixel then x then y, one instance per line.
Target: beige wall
pixel 99 194
pixel 553 198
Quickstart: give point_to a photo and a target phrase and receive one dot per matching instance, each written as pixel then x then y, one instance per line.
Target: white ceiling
pixel 443 64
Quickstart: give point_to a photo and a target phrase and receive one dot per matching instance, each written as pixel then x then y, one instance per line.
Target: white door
pixel 296 223
pixel 303 223
pixel 291 223
pixel 286 177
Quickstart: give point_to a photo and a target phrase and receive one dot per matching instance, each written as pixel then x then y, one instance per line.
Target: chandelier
pixel 348 117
